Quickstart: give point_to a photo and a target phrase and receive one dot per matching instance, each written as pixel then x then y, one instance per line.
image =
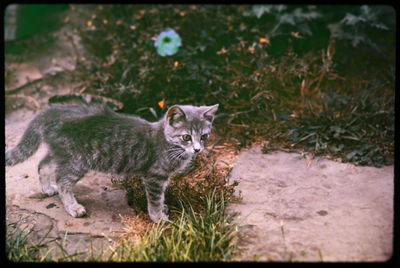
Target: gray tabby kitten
pixel 83 137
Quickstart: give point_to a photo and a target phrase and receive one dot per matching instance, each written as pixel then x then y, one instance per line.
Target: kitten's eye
pixel 204 137
pixel 186 137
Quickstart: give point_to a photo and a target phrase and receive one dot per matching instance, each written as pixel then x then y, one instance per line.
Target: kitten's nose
pixel 196 150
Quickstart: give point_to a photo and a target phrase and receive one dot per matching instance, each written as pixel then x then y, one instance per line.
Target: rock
pixel 294 209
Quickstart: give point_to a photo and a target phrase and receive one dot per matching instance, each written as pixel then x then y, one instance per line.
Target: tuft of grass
pixel 193 236
pixel 21 248
pixel 18 247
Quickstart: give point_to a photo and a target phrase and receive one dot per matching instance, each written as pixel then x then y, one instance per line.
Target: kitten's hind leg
pixel 46 171
pixel 65 182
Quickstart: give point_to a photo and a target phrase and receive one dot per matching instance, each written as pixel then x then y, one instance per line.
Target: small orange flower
pixel 176 64
pixel 161 104
pixel 263 40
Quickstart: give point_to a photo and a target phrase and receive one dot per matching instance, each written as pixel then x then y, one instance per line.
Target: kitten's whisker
pixel 175 157
pixel 175 149
pixel 175 154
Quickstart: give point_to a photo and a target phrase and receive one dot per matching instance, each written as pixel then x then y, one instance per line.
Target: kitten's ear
pixel 175 115
pixel 209 114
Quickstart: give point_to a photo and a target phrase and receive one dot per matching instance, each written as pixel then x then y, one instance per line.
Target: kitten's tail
pixel 28 144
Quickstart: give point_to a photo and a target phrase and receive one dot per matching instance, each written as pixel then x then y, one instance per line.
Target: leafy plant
pixel 356 28
pixel 282 14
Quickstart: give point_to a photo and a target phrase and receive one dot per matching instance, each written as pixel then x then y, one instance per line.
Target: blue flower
pixel 167 43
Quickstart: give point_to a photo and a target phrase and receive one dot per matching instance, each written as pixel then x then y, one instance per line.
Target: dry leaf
pixel 222 51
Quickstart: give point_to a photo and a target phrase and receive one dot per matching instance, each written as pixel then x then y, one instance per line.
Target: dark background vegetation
pixel 319 79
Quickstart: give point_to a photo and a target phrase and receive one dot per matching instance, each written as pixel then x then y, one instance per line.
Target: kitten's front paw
pixel 159 217
pixel 51 190
pixel 76 210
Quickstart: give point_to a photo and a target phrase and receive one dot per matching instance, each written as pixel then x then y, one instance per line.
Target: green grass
pixel 194 236
pixel 18 249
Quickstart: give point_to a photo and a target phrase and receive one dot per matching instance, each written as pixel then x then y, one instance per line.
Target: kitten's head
pixel 189 126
